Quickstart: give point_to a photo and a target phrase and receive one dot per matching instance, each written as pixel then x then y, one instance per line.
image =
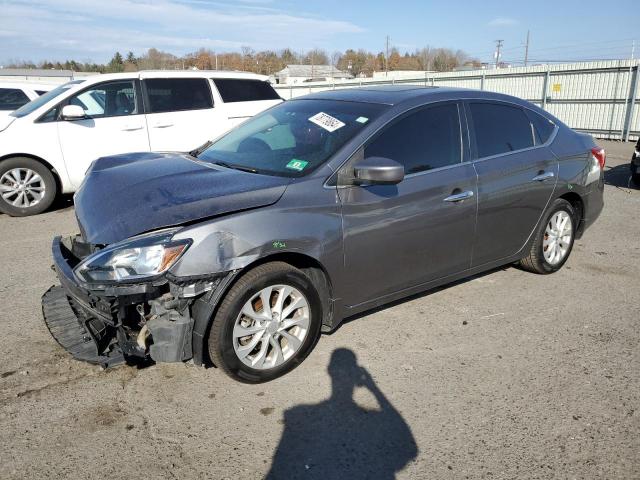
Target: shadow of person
pixel 337 438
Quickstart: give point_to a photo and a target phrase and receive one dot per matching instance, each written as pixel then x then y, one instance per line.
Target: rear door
pixel 243 98
pixel 114 124
pixel 181 114
pixel 517 175
pixel 400 236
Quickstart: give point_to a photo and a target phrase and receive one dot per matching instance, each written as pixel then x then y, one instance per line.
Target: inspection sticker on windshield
pixel 326 121
pixel 297 165
pixel 362 119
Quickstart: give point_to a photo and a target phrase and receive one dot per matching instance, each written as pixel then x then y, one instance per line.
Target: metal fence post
pixel 545 88
pixel 482 81
pixel 631 104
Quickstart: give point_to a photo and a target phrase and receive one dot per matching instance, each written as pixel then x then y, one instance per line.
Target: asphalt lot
pixel 507 375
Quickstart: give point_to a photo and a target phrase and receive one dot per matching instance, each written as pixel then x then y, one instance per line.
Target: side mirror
pixel 72 112
pixel 378 171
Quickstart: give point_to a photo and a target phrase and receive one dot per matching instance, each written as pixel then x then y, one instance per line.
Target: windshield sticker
pixel 362 119
pixel 297 165
pixel 329 123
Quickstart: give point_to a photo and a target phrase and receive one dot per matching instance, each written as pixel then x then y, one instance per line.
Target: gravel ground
pixel 506 375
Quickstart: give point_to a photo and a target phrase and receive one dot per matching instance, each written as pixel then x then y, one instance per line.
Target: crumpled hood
pixel 125 195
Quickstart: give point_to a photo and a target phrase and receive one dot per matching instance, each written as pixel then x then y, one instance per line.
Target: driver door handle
pixel 163 125
pixel 458 197
pixel 131 128
pixel 543 176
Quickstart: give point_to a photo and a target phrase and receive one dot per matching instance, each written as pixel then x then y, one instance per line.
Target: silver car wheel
pixel 557 237
pixel 22 187
pixel 271 327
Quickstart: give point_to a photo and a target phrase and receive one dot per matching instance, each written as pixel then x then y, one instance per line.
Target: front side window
pixel 178 94
pixel 424 140
pixel 500 128
pixel 36 103
pixel 12 98
pixel 113 99
pixel 243 90
pixel 293 138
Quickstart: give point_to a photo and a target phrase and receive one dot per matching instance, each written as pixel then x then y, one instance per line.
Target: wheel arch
pixel 577 203
pixel 205 308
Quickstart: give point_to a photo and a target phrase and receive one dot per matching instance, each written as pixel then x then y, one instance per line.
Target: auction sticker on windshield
pixel 326 121
pixel 297 165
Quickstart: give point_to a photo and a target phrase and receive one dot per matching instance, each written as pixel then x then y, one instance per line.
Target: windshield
pixel 36 103
pixel 293 138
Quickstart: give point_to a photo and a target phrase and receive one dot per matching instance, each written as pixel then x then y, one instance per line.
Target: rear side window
pixel 542 126
pixel 500 128
pixel 176 94
pixel 12 98
pixel 241 90
pixel 41 92
pixel 427 139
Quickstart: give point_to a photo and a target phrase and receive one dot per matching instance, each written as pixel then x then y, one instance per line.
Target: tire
pixel 240 356
pixel 41 195
pixel 539 262
pixel 635 177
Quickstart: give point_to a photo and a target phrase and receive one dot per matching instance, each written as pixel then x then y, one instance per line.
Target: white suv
pixel 47 145
pixel 16 94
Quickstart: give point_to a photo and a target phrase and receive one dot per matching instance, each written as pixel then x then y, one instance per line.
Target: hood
pixel 125 195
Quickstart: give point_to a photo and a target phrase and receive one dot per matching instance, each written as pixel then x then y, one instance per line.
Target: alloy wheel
pixel 22 187
pixel 557 237
pixel 271 327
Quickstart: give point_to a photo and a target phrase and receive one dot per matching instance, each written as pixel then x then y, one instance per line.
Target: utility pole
pixel 497 53
pixel 386 63
pixel 526 50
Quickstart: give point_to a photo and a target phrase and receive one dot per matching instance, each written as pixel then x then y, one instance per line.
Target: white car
pixel 47 145
pixel 13 95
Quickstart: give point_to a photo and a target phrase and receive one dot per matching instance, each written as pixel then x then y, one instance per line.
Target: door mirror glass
pixel 72 112
pixel 378 171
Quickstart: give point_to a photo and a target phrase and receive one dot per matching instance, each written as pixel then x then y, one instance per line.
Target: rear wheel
pixel 636 178
pixel 27 187
pixel 554 239
pixel 267 323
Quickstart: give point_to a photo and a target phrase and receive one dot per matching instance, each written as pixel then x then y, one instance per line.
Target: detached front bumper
pixel 111 324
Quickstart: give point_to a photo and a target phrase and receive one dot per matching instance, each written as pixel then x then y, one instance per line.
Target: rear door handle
pixel 131 128
pixel 163 125
pixel 458 197
pixel 543 176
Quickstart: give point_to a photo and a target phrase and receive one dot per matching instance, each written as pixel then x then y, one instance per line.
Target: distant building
pixel 41 75
pixel 401 74
pixel 292 74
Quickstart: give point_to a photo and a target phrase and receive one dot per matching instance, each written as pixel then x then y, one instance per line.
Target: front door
pixel 516 179
pixel 113 124
pixel 404 235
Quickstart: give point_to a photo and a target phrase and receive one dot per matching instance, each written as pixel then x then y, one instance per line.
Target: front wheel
pixel 267 324
pixel 635 177
pixel 554 239
pixel 27 187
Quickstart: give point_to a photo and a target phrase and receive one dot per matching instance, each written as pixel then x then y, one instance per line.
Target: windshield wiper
pixel 200 149
pixel 235 167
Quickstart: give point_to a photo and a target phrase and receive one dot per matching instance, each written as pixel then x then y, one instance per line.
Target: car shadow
pixel 619 176
pixel 416 296
pixel 61 204
pixel 338 438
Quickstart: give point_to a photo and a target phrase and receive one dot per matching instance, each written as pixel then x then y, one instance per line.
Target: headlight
pixel 143 257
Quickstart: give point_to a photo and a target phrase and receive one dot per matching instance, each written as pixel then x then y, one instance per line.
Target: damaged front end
pixel 123 315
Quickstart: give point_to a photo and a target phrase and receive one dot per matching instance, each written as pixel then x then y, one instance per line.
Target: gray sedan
pixel 241 253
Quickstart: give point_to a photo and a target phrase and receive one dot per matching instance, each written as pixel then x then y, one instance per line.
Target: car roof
pixel 398 94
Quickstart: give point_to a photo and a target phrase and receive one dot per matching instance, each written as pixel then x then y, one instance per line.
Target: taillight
pixel 599 155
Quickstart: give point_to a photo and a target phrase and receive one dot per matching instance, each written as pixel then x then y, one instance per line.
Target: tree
pixel 116 64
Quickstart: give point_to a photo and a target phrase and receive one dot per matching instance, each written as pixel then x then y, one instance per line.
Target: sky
pixel 92 30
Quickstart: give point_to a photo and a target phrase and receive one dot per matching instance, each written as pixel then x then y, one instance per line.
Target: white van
pixel 47 145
